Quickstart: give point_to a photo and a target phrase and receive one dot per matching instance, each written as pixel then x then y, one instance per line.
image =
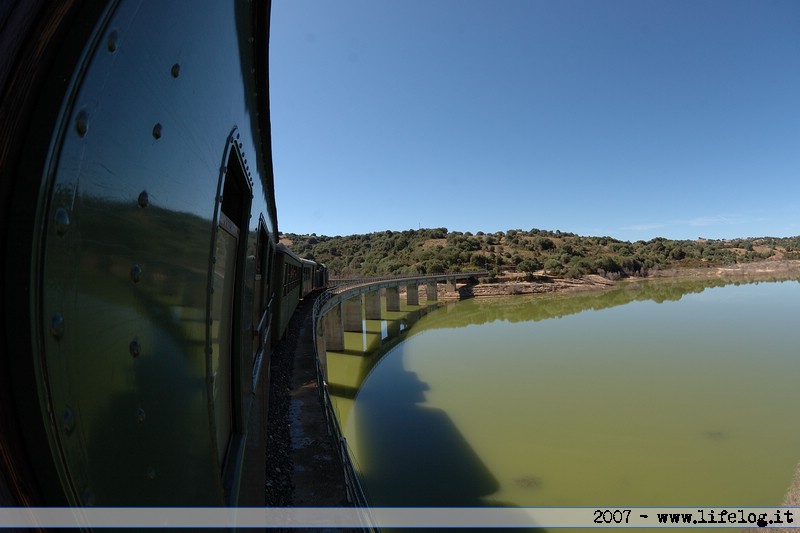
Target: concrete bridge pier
pixel 392 299
pixel 352 316
pixel 431 292
pixel 372 305
pixel 451 284
pixel 412 294
pixel 333 330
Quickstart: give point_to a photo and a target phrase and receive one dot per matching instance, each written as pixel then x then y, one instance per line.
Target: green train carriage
pixel 142 281
pixel 288 275
pixel 320 276
pixel 309 267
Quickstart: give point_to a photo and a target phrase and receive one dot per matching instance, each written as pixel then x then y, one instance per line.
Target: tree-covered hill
pixel 549 252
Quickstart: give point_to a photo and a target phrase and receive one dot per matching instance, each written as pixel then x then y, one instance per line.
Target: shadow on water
pixel 411 455
pixel 402 443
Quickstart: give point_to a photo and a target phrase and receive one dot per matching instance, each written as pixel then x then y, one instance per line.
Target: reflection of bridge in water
pixel 359 330
pixel 351 303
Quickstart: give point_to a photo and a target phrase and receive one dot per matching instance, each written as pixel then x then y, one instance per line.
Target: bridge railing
pixel 341 288
pixel 355 492
pixel 336 282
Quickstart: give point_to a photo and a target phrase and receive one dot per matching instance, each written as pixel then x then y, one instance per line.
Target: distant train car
pixel 288 280
pixel 307 284
pixel 138 230
pixel 320 277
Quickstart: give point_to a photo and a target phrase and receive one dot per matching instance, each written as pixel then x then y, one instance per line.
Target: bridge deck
pixel 343 289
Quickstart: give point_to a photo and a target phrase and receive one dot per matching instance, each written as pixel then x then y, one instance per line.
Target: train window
pixel 222 309
pixel 259 252
pixel 261 309
pixel 270 257
pixel 235 194
pixel 262 266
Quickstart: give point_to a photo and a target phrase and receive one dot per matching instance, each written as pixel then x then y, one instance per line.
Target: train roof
pixel 282 248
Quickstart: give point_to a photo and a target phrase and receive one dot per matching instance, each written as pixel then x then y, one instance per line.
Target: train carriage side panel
pixel 143 222
pixel 288 286
pixel 308 277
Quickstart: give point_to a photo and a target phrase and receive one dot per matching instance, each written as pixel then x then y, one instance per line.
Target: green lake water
pixel 654 394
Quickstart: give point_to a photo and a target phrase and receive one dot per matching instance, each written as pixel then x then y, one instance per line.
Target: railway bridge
pixel 343 307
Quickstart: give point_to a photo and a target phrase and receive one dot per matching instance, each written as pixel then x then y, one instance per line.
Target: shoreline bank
pixel 512 285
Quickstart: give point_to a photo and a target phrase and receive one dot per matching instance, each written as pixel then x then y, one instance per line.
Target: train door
pixel 228 319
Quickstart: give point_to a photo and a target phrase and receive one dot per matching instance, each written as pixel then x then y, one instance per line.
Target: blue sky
pixel 633 119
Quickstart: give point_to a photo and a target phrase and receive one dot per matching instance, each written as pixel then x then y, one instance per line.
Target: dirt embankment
pixel 767 269
pixel 510 284
pixel 539 285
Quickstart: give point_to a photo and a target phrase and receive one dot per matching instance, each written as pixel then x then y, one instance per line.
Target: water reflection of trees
pixel 523 308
